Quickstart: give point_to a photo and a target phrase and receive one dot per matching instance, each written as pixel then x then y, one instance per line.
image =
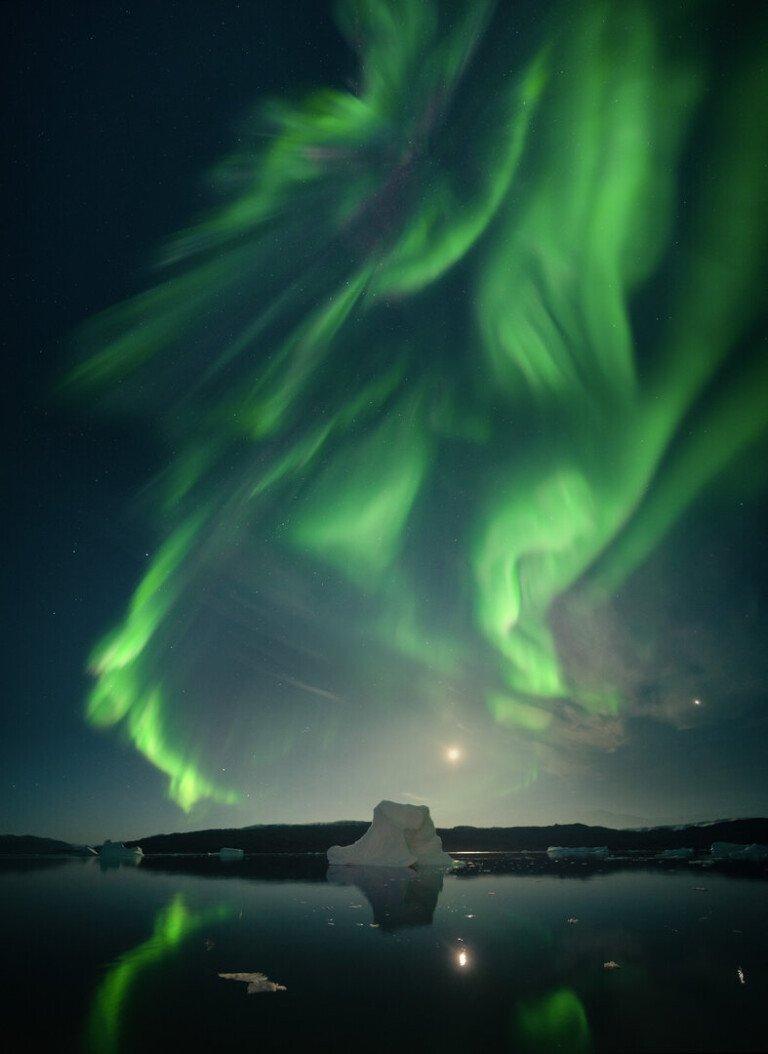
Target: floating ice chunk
pixel 400 836
pixel 257 982
pixel 584 852
pixel 733 851
pixel 231 854
pixel 677 854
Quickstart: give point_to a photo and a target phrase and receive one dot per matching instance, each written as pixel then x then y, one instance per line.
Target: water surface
pixel 132 958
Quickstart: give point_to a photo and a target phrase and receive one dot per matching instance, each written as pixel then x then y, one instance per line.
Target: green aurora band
pixel 438 276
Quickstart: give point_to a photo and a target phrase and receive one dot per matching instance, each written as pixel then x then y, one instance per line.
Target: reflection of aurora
pixel 107 1016
pixel 556 1021
pixel 404 399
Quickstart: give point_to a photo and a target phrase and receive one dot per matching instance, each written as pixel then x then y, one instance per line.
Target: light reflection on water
pixel 480 963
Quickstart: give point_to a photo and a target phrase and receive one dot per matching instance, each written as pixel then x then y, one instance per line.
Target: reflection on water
pixel 491 962
pixel 113 863
pixel 399 896
pixel 172 925
pixel 556 1021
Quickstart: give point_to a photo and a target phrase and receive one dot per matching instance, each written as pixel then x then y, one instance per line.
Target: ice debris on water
pixel 611 965
pixel 257 982
pixel 733 851
pixel 583 852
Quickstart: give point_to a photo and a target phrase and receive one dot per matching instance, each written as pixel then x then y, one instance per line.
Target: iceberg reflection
pixel 399 896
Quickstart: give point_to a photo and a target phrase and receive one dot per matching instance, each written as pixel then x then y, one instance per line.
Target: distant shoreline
pixel 317 838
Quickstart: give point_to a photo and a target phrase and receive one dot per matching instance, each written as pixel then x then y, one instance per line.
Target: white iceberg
pixel 584 852
pixel 117 853
pixel 734 851
pixel 231 854
pixel 400 836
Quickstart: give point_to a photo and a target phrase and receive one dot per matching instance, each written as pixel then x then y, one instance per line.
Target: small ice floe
pixel 740 975
pixel 611 965
pixel 583 852
pixel 257 982
pixel 231 854
pixel 572 920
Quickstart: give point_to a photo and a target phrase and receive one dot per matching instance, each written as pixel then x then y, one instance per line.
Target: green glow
pixel 509 711
pixel 150 603
pixel 420 321
pixel 106 1018
pixel 121 691
pixel 355 514
pixel 556 1021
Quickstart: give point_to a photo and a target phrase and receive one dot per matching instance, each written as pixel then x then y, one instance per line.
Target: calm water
pixel 132 958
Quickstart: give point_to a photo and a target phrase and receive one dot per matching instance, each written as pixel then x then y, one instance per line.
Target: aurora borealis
pixel 459 348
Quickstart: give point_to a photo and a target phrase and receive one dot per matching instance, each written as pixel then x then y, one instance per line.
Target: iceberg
pixel 584 852
pixel 117 853
pixel 734 851
pixel 400 836
pixel 677 854
pixel 231 854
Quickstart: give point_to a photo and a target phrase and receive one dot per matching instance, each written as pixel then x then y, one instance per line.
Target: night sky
pixel 394 518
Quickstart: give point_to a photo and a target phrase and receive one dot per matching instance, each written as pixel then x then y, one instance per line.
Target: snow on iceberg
pixel 400 836
pixel 583 852
pixel 734 851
